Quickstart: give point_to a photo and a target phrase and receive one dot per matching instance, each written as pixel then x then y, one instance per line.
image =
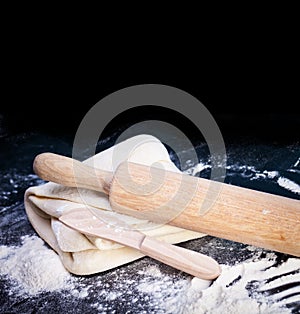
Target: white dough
pixel 86 255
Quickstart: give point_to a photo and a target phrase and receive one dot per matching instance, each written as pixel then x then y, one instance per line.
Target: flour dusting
pixel 230 293
pixel 33 267
pixel 33 279
pixel 289 185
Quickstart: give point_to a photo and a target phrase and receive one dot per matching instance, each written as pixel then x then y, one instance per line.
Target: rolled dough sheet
pixel 81 254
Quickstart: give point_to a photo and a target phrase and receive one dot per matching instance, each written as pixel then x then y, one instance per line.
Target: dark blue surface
pixel 251 164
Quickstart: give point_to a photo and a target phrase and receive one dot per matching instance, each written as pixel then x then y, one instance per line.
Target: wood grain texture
pixel 218 209
pixel 70 172
pixel 234 213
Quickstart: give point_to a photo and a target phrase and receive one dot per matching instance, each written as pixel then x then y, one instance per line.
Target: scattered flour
pixel 250 172
pixel 289 185
pixel 230 293
pixel 239 289
pixel 33 267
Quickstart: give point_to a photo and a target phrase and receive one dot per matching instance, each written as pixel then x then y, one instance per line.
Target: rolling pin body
pixel 218 209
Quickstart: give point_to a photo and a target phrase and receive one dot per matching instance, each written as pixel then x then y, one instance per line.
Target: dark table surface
pixel 248 163
pixel 248 81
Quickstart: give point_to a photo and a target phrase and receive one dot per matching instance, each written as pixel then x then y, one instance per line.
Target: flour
pixel 32 270
pixel 252 173
pixel 289 185
pixel 230 293
pixel 33 267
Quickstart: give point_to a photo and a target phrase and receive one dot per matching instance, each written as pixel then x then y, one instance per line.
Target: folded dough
pixel 83 254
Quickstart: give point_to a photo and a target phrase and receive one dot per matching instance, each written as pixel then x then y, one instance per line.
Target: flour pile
pixel 239 289
pixel 33 267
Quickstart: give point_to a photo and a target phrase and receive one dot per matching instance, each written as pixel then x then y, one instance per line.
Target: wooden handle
pixel 72 173
pixel 235 213
pixel 191 262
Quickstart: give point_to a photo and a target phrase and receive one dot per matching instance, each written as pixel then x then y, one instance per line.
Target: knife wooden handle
pixel 70 172
pixel 191 262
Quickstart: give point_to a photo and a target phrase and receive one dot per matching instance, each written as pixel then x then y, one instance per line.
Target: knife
pixel 108 227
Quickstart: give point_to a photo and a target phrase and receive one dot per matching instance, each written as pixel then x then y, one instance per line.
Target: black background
pixel 248 80
pixel 245 70
pixel 243 102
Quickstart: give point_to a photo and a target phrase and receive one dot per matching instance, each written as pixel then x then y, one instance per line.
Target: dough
pixel 83 254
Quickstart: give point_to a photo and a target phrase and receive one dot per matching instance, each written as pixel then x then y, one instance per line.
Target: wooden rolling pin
pixel 234 213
